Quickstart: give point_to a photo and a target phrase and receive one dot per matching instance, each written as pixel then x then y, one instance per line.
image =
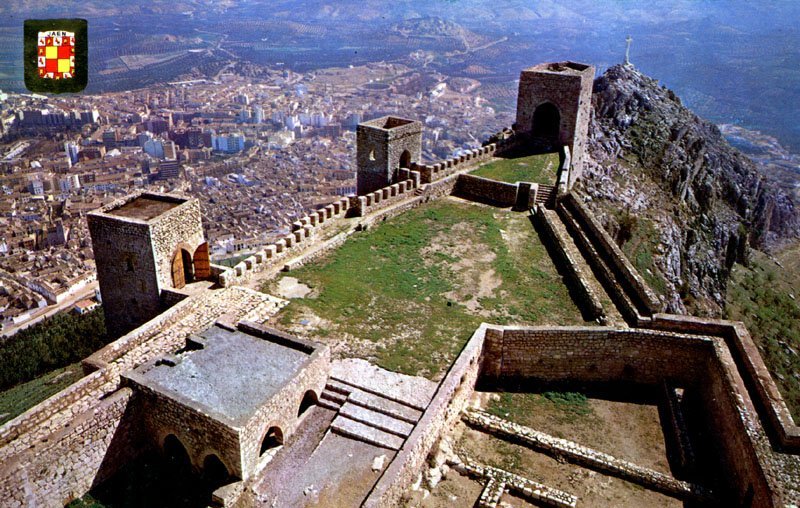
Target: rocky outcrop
pixel 654 157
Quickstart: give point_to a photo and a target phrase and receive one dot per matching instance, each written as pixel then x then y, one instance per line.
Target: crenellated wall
pixel 305 236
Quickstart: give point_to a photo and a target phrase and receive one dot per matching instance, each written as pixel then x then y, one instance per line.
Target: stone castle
pixel 190 332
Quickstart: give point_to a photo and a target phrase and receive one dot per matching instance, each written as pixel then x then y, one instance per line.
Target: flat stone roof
pixel 145 207
pixel 233 374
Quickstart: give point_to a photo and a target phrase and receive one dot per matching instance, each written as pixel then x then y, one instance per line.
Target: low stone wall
pixel 750 365
pixel 592 355
pixel 587 457
pixel 499 480
pixel 635 284
pixel 442 413
pixel 62 467
pixel 303 236
pixel 606 275
pixel 476 188
pixel 28 428
pixel 703 365
pixel 546 220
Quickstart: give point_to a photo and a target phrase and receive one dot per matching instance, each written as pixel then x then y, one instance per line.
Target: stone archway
pixel 202 262
pixel 272 439
pixel 182 267
pixel 215 474
pixel 405 159
pixel 546 124
pixel 176 455
pixel 309 400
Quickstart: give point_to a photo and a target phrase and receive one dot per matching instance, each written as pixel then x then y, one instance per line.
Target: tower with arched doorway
pixel 385 145
pixel 142 245
pixel 553 107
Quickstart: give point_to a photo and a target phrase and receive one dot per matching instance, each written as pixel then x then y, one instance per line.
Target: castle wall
pixel 592 355
pixel 301 241
pixel 633 283
pixel 467 160
pixel 61 468
pixel 181 225
pixel 750 366
pixel 702 365
pixel 201 435
pixel 126 271
pixel 282 409
pixel 730 413
pixel 443 411
pixel 476 188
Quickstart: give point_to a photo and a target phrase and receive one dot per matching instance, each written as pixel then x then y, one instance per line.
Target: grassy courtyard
pixel 408 293
pixel 540 168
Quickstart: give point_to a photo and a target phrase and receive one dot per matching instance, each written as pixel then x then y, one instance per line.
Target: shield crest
pixel 56 55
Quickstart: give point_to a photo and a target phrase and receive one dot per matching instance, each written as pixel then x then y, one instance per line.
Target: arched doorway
pixel 176 455
pixel 215 474
pixel 309 400
pixel 272 439
pixel 182 272
pixel 405 159
pixel 546 124
pixel 202 262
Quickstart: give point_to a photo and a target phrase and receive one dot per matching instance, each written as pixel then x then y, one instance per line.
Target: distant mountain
pixel 706 201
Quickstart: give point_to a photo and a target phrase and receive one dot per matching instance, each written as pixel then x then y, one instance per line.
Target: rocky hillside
pixel 693 204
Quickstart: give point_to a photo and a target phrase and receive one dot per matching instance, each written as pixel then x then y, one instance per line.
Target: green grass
pixel 17 400
pixel 521 407
pixel 640 250
pixel 404 287
pixel 533 168
pixel 759 296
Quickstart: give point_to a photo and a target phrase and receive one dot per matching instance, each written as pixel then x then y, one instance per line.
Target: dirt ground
pixel 626 430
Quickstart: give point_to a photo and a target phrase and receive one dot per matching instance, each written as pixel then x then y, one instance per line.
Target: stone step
pixel 352 386
pixel 333 397
pixel 335 386
pixel 378 420
pixel 327 404
pixel 364 433
pixel 383 405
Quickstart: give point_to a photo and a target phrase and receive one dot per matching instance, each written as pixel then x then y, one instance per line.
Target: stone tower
pixel 143 244
pixel 383 146
pixel 553 107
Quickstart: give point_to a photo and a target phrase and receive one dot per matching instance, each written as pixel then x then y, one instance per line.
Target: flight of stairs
pixel 546 196
pixel 368 416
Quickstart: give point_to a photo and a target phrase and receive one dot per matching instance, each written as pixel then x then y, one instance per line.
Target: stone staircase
pixel 546 195
pixel 368 416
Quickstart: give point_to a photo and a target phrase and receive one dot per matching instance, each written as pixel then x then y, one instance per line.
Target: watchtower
pixel 553 108
pixel 384 145
pixel 143 244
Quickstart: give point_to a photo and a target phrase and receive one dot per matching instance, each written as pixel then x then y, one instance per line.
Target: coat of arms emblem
pixel 56 55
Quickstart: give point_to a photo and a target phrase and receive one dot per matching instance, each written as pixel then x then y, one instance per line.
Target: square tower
pixel 384 145
pixel 553 107
pixel 142 244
